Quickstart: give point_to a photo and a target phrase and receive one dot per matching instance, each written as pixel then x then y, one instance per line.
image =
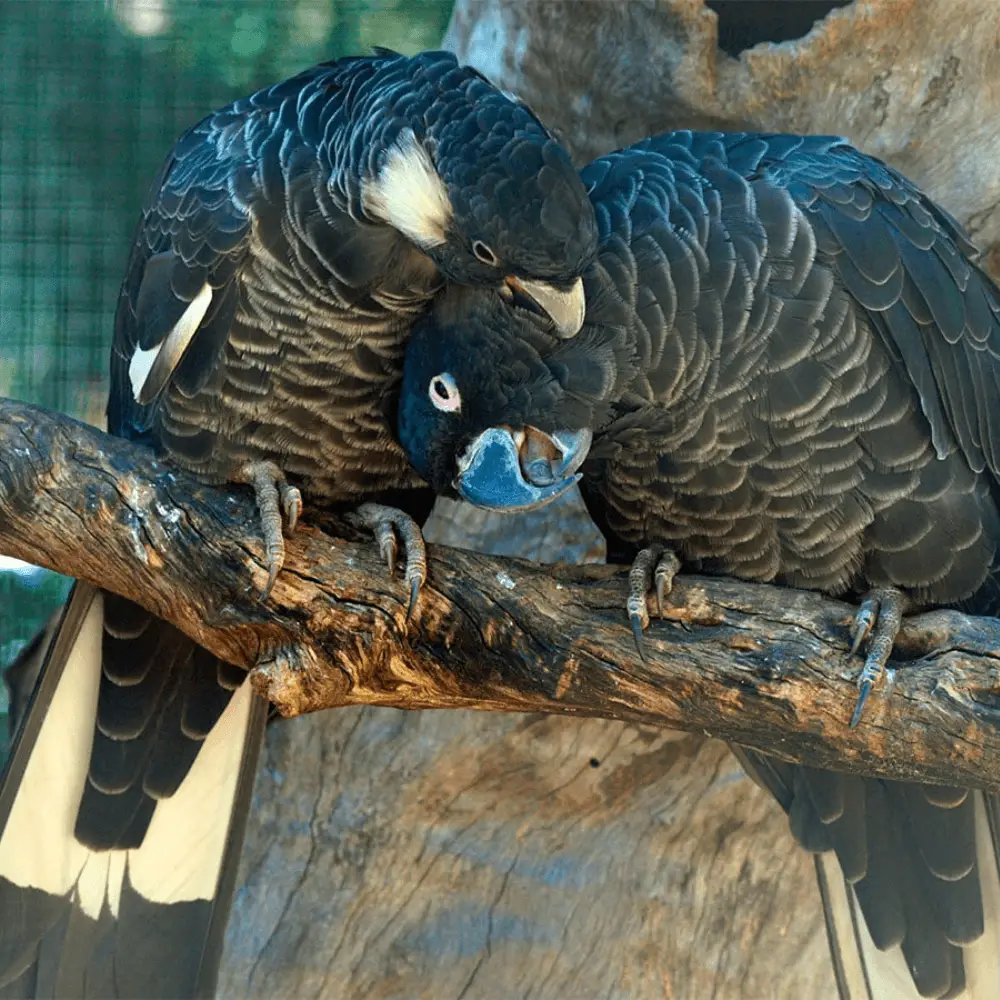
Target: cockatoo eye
pixel 484 253
pixel 444 393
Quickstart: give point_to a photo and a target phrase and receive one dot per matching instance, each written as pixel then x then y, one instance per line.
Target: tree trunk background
pixel 460 854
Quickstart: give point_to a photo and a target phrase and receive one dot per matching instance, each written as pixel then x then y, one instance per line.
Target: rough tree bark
pixel 911 81
pixel 761 666
pixel 463 854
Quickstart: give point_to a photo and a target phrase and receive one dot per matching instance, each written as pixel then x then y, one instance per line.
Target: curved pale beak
pixel 508 470
pixel 566 309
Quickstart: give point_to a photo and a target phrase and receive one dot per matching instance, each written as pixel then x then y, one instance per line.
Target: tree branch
pixel 763 666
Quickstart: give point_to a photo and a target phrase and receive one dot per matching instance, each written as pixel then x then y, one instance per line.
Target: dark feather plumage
pixel 313 292
pixel 809 398
pixel 288 244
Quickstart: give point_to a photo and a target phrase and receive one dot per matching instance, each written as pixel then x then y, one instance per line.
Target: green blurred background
pixel 92 96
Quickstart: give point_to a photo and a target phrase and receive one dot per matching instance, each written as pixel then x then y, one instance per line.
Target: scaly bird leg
pixel 651 564
pixel 386 523
pixel 274 497
pixel 879 619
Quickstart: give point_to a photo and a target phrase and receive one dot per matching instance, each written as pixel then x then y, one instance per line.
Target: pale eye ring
pixel 484 253
pixel 444 393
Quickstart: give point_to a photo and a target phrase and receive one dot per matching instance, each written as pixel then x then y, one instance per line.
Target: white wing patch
pixel 139 366
pixel 150 370
pixel 181 855
pixel 409 194
pixel 100 881
pixel 37 847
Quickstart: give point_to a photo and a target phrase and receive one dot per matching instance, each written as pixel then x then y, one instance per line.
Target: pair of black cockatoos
pixel 789 371
pixel 289 243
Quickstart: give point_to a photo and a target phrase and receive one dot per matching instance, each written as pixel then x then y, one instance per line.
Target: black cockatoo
pixel 790 365
pixel 289 243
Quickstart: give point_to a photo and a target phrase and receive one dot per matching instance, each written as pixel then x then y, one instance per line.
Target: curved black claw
pixel 865 690
pixel 637 629
pixel 387 523
pixel 863 623
pixel 651 563
pixel 272 575
pixel 274 498
pixel 879 619
pixel 415 584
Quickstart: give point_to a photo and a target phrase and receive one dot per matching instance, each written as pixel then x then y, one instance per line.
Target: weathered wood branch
pixel 762 666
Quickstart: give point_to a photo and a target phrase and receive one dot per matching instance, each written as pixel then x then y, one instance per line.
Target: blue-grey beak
pixel 504 469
